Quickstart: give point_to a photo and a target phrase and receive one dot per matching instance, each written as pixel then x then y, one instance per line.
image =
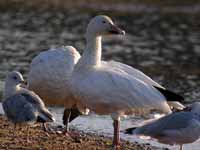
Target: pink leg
pixel 181 147
pixel 116 138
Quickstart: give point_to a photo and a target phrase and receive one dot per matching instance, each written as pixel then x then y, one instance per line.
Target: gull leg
pixel 46 130
pixel 116 138
pixel 27 136
pixel 45 127
pixel 14 129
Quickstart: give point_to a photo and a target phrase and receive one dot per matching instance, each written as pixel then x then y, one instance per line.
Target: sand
pixel 39 140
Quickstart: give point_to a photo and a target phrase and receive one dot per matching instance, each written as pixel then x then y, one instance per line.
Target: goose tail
pixel 170 96
pixel 130 130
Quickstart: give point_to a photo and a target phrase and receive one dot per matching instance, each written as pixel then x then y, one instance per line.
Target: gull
pixel 21 106
pixel 177 128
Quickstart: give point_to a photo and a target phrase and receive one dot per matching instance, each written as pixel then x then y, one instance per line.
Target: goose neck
pixel 92 53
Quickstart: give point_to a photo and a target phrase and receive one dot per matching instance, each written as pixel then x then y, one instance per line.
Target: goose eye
pixel 103 22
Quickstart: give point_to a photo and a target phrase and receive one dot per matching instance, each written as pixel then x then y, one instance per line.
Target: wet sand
pixel 40 141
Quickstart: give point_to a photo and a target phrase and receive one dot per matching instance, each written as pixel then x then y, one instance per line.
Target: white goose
pixel 110 90
pixel 49 76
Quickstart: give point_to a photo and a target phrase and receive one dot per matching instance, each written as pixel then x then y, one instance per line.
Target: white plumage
pixel 108 90
pixel 111 90
pixel 133 72
pixel 49 75
pixel 141 76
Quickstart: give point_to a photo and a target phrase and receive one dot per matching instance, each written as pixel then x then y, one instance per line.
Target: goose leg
pixel 68 116
pixel 181 147
pixel 116 138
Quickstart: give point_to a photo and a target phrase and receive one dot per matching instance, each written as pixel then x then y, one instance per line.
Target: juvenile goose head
pixel 13 81
pixel 103 25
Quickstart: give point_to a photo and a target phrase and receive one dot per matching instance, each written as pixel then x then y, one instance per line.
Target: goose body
pixel 108 90
pixel 49 75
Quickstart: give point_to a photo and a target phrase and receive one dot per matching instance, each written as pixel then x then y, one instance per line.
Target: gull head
pixel 14 78
pixel 103 25
pixel 194 107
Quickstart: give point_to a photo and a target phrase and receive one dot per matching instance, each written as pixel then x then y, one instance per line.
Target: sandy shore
pixel 39 140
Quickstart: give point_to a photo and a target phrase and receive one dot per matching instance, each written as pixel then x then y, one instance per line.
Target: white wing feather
pixel 133 72
pixel 141 76
pixel 111 90
pixel 50 72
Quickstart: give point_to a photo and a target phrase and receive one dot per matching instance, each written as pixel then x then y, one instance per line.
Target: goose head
pixel 103 25
pixel 14 78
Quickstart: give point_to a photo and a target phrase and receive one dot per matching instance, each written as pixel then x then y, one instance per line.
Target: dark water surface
pixel 164 46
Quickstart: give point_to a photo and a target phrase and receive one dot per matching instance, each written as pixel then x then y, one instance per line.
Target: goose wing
pixel 134 72
pixel 172 98
pixel 106 89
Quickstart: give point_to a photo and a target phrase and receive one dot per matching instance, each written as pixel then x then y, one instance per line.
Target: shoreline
pixel 40 140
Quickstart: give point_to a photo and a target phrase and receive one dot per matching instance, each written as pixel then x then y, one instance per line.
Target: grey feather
pixel 173 121
pixel 18 110
pixel 25 107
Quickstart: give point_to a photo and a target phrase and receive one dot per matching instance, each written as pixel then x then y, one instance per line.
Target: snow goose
pixel 22 106
pixel 49 76
pixel 178 128
pixel 110 90
pixel 50 72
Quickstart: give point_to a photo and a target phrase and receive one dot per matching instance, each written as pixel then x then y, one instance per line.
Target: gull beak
pixel 116 30
pixel 187 109
pixel 23 83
